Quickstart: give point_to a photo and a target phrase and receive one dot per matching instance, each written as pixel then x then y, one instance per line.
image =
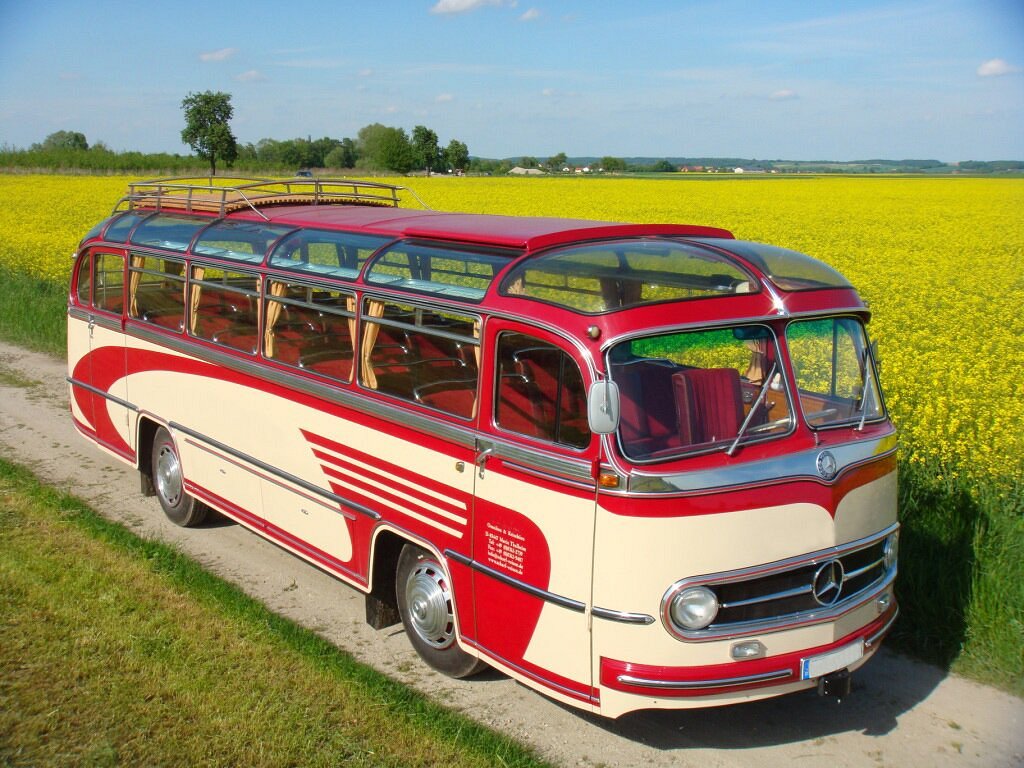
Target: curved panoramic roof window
pixel 790 270
pixel 599 277
pixel 238 240
pixel 436 270
pixel 319 252
pixel 121 226
pixel 173 233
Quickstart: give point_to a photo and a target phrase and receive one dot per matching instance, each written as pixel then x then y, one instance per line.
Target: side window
pixel 108 282
pixel 540 392
pixel 84 291
pixel 156 291
pixel 427 356
pixel 223 307
pixel 310 328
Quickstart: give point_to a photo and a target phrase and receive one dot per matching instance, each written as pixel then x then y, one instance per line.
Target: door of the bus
pixel 534 509
pixel 96 341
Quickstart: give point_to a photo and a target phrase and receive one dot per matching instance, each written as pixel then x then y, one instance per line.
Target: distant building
pixel 520 171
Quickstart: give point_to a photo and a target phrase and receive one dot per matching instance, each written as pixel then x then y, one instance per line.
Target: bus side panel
pixel 309 474
pixel 544 544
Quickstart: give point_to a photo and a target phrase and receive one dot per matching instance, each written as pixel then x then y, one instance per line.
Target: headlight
pixel 891 550
pixel 693 608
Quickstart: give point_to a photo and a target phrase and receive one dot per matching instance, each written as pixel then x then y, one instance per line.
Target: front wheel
pixel 428 612
pixel 169 482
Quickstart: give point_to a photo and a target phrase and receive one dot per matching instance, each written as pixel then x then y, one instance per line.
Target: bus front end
pixel 746 532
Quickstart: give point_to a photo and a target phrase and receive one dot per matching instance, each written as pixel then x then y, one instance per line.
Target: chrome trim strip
pixel 793 466
pixel 277 472
pixel 795 592
pixel 870 641
pixel 622 616
pixel 543 594
pixel 690 685
pixel 78 313
pixel 106 395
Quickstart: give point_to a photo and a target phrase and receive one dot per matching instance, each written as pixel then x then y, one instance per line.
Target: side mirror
pixel 603 407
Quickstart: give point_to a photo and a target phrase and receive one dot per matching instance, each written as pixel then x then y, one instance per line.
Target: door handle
pixel 481 459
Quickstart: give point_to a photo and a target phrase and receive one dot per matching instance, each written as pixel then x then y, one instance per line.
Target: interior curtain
pixel 476 355
pixel 374 308
pixel 197 274
pixel 136 262
pixel 277 289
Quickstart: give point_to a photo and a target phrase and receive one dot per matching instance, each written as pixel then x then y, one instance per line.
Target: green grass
pixel 33 313
pixel 119 651
pixel 961 580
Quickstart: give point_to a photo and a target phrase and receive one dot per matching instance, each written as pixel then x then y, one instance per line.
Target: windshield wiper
pixel 753 408
pixel 869 380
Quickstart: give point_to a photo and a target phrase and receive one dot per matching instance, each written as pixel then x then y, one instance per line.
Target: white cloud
pixel 530 15
pixel 997 67
pixel 463 6
pixel 222 55
pixel 251 76
pixel 784 95
pixel 444 97
pixel 548 92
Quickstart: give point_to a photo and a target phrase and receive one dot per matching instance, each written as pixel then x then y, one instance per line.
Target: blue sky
pixel 793 80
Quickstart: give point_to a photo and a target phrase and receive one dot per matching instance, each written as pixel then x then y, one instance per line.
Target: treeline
pixel 377 148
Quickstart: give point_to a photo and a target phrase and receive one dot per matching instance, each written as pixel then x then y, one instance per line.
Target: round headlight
pixel 693 608
pixel 890 550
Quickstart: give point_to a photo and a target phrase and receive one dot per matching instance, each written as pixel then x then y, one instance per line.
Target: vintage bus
pixel 631 466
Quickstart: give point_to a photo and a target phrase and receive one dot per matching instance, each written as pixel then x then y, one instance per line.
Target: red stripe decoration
pixel 377 484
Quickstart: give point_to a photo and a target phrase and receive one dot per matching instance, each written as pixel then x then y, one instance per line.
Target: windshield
pixel 835 374
pixel 698 391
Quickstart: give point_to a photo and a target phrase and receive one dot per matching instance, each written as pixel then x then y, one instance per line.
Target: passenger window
pixel 108 282
pixel 310 328
pixel 156 291
pixel 223 307
pixel 427 356
pixel 540 391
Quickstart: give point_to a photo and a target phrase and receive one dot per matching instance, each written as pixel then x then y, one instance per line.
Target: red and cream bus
pixel 631 466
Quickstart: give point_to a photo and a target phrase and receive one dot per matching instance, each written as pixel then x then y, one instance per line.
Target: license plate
pixel 816 666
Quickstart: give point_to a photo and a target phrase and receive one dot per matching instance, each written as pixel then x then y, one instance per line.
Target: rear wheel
pixel 169 483
pixel 428 612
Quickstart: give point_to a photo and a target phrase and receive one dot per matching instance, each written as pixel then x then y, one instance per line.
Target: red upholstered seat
pixel 709 404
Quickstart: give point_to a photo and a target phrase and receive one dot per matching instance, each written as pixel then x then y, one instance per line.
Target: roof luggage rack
pixel 224 194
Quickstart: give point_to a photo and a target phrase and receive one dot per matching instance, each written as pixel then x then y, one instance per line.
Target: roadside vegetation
pixel 938 260
pixel 120 651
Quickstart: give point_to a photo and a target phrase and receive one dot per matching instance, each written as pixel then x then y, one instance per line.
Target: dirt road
pixel 901 713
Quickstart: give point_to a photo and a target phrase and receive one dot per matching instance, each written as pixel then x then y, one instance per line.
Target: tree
pixel 557 162
pixel 66 140
pixel 384 148
pixel 612 164
pixel 456 155
pixel 206 127
pixel 425 148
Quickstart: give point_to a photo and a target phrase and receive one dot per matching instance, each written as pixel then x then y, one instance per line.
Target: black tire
pixel 169 483
pixel 428 613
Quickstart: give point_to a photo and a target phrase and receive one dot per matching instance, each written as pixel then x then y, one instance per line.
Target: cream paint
pixel 640 558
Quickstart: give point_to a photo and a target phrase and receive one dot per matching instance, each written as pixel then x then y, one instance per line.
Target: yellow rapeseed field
pixel 941 262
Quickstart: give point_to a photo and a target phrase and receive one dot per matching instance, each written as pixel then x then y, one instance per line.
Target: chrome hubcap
pixel 430 605
pixel 168 475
